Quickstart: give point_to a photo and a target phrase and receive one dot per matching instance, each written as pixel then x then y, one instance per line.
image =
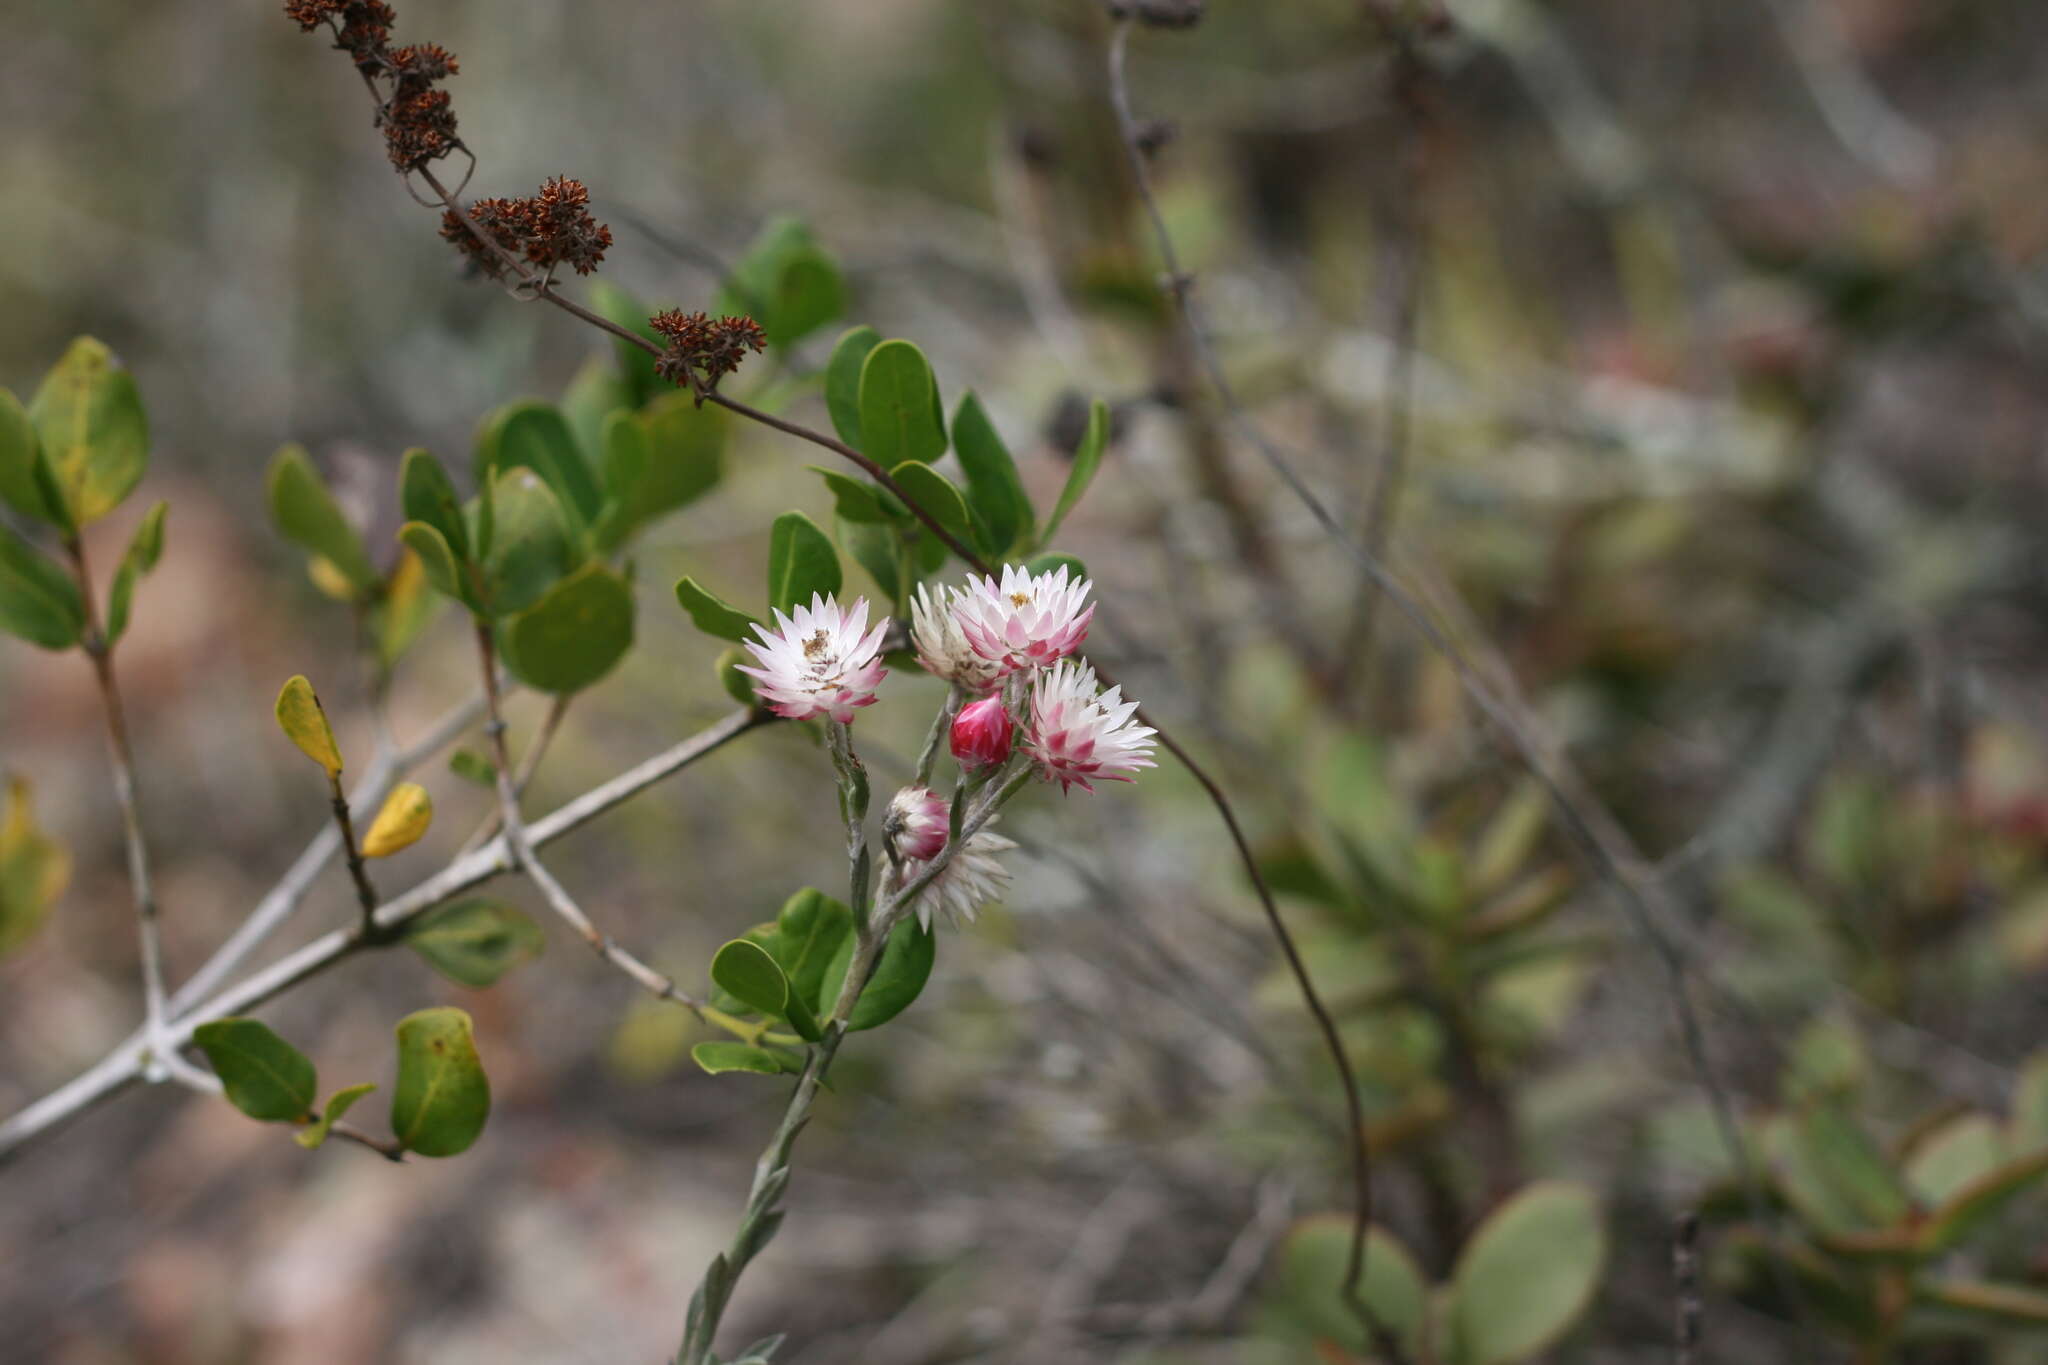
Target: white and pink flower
pixel 1075 736
pixel 820 660
pixel 1024 621
pixel 974 877
pixel 941 646
pixel 917 823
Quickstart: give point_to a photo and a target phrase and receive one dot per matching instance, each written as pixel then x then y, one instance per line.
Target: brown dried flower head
pixel 417 120
pixel 713 348
pixel 550 228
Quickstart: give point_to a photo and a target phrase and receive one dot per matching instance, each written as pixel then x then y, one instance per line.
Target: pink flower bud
pixel 981 733
pixel 917 823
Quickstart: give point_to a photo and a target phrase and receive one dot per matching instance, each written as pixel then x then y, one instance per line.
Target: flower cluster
pixel 713 347
pixel 548 228
pixel 1014 632
pixel 418 120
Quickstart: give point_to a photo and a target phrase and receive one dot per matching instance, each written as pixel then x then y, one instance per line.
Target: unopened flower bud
pixel 917 823
pixel 981 733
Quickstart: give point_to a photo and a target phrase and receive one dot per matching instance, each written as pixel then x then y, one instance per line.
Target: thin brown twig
pixel 388 1148
pixel 358 871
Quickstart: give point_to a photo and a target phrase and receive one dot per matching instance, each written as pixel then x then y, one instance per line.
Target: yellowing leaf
pixel 34 869
pixel 407 813
pixel 329 579
pixel 304 723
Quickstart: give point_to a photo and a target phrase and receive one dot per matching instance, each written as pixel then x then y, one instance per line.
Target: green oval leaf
pixel 720 1057
pixel 306 513
pixel 935 493
pixel 1087 460
pixel 1046 563
pixel 1836 1174
pixel 801 562
pixel 315 1133
pixel 474 942
pixel 857 500
pixel 785 282
pixel 636 367
pixel 1527 1274
pixel 530 547
pixel 38 600
pixel 437 561
pixel 685 455
pixel 2030 1105
pixel 264 1076
pixel 1954 1155
pixel 736 684
pixel 443 1097
pixel 808 934
pixel 144 549
pixel 879 550
pixel 575 635
pixel 750 975
pixel 428 497
pixel 23 471
pixel 471 766
pixel 89 421
pixel 995 494
pixel 34 869
pixel 592 396
pixel 534 435
pixel 304 722
pixel 899 977
pixel 712 615
pixel 898 398
pixel 1306 1300
pixel 842 381
pixel 1974 1203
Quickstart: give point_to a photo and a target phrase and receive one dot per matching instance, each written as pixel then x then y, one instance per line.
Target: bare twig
pixel 124 1065
pixel 515 837
pixel 529 764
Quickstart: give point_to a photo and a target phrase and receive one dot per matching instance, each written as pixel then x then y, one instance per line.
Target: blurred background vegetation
pixel 1688 361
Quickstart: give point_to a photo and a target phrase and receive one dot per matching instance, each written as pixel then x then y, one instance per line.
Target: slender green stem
pixel 761 1217
pixel 853 809
pixel 942 725
pixel 99 650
